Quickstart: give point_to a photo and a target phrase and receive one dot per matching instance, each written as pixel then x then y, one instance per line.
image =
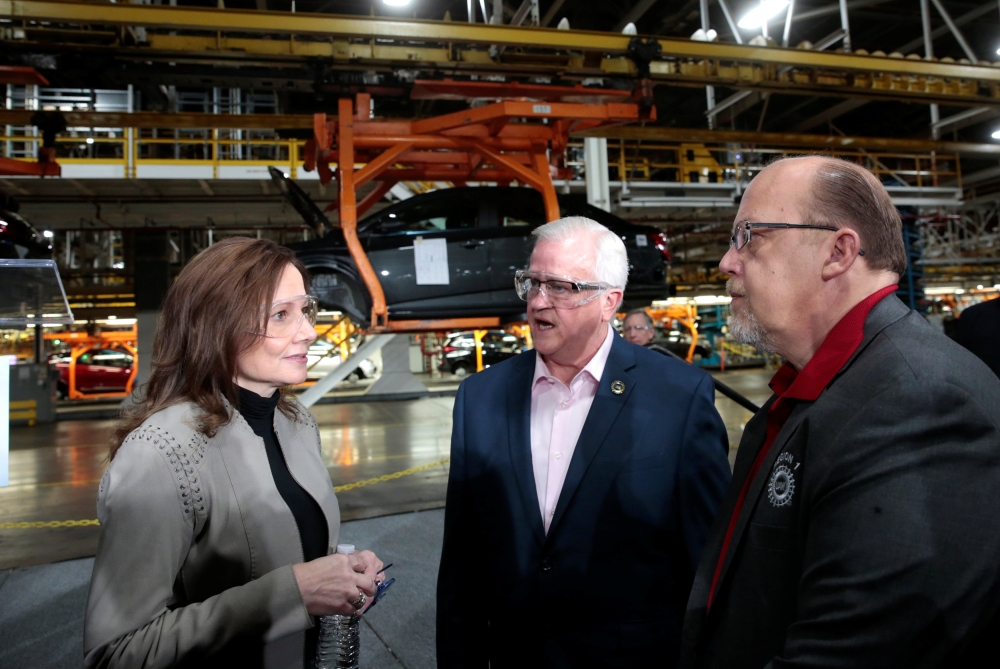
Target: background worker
pixel 978 329
pixel 637 328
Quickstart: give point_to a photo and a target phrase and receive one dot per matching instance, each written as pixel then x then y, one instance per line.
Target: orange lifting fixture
pixel 510 140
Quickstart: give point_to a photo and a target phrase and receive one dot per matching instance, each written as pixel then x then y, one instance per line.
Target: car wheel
pixel 62 392
pixel 460 371
pixel 354 377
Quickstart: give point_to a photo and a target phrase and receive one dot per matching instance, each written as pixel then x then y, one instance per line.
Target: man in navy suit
pixel 585 477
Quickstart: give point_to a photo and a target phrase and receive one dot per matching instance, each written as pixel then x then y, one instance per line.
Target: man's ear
pixel 843 253
pixel 612 301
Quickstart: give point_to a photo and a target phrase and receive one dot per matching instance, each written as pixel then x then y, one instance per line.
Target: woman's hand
pixel 372 565
pixel 329 584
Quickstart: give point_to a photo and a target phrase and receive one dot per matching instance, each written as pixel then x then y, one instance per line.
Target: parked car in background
pixel 487 232
pixel 458 354
pixel 99 370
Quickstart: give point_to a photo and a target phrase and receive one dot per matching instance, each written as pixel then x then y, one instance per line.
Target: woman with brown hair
pixel 217 512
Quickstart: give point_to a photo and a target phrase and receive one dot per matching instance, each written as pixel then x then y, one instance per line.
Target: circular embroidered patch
pixel 781 487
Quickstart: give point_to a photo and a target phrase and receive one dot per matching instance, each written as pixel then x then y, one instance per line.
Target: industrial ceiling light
pixel 996 135
pixel 757 16
pixel 397 3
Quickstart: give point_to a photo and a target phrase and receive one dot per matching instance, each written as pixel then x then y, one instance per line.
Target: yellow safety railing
pixel 629 160
pixel 131 151
pixel 24 410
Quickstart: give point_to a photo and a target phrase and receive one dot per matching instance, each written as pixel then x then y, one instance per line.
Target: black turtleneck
pixel 259 414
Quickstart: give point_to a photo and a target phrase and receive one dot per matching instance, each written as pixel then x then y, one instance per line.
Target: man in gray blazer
pixel 862 526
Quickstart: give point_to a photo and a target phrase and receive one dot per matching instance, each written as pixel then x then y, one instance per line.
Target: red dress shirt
pixel 789 385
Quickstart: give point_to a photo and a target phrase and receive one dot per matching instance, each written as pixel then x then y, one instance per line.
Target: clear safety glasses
pixel 565 292
pixel 285 317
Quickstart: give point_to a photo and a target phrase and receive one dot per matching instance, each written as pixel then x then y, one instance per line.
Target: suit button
pixel 546 564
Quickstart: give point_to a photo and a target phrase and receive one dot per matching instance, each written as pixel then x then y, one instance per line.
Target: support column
pixel 4 423
pixel 595 161
pixel 845 24
pixel 396 376
pixel 709 90
pixel 151 284
pixel 788 23
pixel 925 18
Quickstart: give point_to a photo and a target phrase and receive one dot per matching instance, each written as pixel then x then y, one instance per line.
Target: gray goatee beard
pixel 744 326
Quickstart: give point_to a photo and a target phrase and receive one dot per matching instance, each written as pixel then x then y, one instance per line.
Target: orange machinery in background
pixel 510 140
pixel 685 314
pixel 82 342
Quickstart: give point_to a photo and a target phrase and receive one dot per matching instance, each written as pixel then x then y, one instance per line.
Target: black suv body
pixel 488 236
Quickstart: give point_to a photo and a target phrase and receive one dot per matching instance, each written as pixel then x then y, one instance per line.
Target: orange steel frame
pixel 502 142
pixel 83 342
pixel 685 314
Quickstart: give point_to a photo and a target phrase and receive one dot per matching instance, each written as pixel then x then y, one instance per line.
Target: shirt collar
pixel 833 354
pixel 595 367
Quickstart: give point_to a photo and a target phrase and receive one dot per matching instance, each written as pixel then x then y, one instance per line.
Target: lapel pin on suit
pixel 617 387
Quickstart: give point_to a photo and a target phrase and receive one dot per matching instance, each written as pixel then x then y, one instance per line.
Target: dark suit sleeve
pixel 900 559
pixel 461 624
pixel 704 472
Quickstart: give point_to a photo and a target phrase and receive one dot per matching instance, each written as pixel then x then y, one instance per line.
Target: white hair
pixel 611 259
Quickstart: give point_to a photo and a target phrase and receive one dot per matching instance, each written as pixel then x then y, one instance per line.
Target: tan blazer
pixel 194 561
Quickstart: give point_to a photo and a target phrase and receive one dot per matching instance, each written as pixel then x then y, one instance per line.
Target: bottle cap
pixel 345 549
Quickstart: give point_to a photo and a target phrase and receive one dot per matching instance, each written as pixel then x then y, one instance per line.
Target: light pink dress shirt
pixel 557 417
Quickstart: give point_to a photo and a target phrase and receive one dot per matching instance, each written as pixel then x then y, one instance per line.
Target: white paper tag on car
pixel 640 240
pixel 430 256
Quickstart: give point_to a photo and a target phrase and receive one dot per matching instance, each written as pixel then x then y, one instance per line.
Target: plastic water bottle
pixel 339 644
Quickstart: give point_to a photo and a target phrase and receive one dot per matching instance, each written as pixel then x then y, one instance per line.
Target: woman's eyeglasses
pixel 285 317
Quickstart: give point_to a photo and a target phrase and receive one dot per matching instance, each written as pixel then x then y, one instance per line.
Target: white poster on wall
pixel 430 256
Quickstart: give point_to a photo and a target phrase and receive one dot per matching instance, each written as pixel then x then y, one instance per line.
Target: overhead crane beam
pixel 685 62
pixel 780 139
pixel 235 20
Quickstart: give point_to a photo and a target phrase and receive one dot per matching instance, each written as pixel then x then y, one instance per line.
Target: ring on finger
pixel 359 603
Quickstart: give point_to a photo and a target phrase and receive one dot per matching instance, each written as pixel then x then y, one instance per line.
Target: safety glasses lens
pixel 286 317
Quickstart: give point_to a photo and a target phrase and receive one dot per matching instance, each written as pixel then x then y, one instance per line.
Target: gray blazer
pixel 194 561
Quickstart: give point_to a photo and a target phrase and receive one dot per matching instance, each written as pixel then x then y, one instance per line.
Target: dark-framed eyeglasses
pixel 742 235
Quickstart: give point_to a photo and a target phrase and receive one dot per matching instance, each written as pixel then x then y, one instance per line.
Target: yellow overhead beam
pixel 406 30
pixel 781 139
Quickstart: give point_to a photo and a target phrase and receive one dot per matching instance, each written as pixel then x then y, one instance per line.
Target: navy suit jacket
pixel 608 584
